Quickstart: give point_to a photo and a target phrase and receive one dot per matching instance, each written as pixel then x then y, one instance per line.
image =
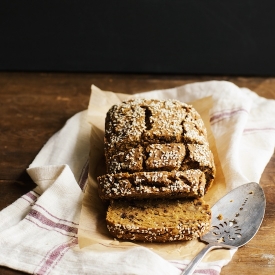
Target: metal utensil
pixel 236 219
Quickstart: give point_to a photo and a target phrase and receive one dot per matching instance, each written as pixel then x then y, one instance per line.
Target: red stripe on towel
pixel 225 114
pixel 63 220
pixel 84 175
pixel 207 271
pixel 31 197
pixel 42 221
pixel 250 130
pixel 54 256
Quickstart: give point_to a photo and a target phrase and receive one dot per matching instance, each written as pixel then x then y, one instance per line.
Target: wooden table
pixel 33 106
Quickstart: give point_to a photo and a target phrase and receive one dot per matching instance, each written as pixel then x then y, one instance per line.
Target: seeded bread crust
pixel 158 220
pixel 147 136
pixel 140 121
pixel 175 184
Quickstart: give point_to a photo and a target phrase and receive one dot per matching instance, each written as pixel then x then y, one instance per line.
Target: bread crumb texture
pixel 158 220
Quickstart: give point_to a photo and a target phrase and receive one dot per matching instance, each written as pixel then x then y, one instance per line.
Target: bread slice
pixel 161 184
pixel 158 220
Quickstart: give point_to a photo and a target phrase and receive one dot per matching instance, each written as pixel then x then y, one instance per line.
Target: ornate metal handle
pixel 194 263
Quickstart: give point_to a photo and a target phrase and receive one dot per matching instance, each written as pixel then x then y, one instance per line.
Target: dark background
pixel 145 36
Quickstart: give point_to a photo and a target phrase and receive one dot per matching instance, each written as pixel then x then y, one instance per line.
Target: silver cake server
pixel 236 219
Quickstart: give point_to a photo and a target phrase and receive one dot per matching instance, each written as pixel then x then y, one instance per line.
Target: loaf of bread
pixel 158 220
pixel 155 148
pixel 158 168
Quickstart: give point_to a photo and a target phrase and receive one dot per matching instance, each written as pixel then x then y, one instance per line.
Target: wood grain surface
pixel 33 106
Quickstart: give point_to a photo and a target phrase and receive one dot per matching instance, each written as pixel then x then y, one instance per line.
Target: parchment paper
pixel 92 229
